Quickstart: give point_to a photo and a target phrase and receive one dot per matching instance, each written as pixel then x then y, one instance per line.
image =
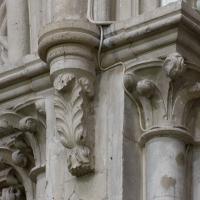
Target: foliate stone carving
pixel 174 65
pixel 20 132
pixel 28 124
pixel 19 158
pixel 73 111
pixel 21 151
pixel 146 88
pixel 165 97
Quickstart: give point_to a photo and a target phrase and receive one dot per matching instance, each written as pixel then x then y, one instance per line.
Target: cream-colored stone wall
pixel 99 100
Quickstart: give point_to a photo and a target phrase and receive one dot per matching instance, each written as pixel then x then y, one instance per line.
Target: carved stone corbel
pixel 69 47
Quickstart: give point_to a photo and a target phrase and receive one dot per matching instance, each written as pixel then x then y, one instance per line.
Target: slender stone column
pixel 165 169
pixel 196 173
pixel 18 29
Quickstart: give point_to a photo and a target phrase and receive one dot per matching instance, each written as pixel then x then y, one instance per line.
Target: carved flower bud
pixel 145 88
pixel 19 158
pixel 174 65
pixel 28 124
pixel 63 81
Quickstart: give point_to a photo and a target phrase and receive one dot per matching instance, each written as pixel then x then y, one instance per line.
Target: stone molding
pixel 165 93
pixel 69 31
pixel 176 24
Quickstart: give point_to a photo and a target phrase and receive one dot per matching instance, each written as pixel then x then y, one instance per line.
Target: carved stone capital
pixel 165 96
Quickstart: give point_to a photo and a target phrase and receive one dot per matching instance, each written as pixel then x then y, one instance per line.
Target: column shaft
pixel 165 169
pixel 69 10
pixel 196 173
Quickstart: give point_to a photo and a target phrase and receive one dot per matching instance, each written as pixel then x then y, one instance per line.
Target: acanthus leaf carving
pixel 72 110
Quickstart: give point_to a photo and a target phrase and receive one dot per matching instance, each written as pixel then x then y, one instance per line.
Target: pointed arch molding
pixel 165 93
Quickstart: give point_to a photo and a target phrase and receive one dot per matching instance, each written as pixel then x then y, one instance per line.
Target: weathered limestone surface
pixel 99 100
